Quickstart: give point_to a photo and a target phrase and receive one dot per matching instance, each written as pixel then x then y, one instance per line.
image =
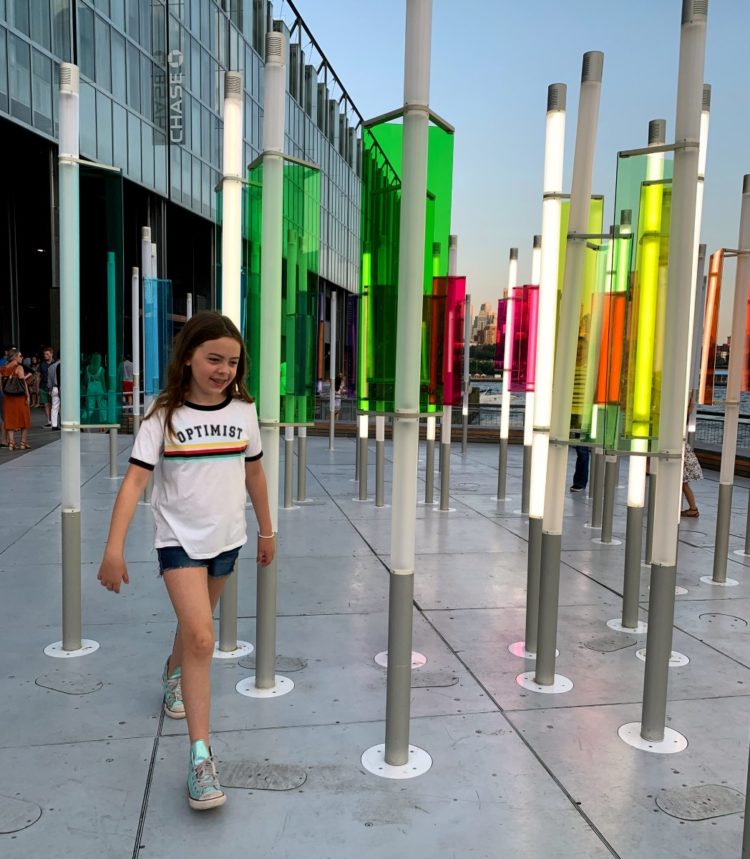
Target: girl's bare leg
pixel 689 496
pixel 190 591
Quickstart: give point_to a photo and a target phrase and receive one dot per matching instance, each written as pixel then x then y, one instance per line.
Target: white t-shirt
pixel 199 474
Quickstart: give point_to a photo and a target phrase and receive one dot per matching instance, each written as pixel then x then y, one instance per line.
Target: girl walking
pixel 201 440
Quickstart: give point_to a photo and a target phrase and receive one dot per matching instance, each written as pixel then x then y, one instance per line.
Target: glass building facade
pixel 151 98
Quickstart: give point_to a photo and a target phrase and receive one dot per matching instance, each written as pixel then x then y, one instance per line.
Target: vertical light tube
pixel 528 411
pixel 231 279
pixel 554 149
pixel 332 376
pixel 270 328
pixel 734 388
pixel 447 423
pixel 564 368
pixel 467 352
pixel 502 463
pixel 408 343
pixel 674 373
pixel 70 355
pixel 135 345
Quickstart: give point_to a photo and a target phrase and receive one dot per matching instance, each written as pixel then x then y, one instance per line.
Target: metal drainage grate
pixel 610 643
pixel 252 775
pixel 17 814
pixel 723 622
pixel 701 803
pixel 436 679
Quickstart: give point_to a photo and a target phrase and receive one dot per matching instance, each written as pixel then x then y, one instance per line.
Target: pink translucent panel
pixel 523 338
pixel 501 334
pixel 453 349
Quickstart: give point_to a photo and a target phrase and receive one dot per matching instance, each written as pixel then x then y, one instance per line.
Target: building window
pixel 86 42
pixel 102 53
pixel 119 86
pixel 18 15
pixel 134 78
pixel 42 92
pixel 103 128
pixel 61 29
pixel 40 27
pixel 3 71
pixel 20 78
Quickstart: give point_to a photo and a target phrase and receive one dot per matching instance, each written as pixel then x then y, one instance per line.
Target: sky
pixel 492 62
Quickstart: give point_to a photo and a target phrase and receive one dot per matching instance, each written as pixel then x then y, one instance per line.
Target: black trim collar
pixel 214 408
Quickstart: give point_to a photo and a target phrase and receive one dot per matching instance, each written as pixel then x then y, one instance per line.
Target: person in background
pixel 34 381
pixel 691 470
pixel 16 414
pixel 581 473
pixel 127 381
pixel 45 398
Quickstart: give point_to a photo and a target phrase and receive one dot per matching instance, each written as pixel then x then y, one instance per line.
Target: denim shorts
pixel 175 557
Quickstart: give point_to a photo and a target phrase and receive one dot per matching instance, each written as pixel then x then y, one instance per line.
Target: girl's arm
pixel 255 481
pixel 113 569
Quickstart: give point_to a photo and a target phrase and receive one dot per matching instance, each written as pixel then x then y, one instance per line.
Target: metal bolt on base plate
pixel 373 760
pixel 282 686
pixel 56 650
pixel 672 743
pixel 242 649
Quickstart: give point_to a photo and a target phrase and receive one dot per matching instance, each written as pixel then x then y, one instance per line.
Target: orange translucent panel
pixel 710 323
pixel 612 348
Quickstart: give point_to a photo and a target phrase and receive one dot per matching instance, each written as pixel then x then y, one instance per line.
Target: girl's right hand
pixel 113 571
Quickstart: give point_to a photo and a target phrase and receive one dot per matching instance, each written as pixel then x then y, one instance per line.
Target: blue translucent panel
pixel 158 333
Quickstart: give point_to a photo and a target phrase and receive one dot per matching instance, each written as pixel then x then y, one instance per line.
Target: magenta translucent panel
pixel 500 334
pixel 523 338
pixel 455 308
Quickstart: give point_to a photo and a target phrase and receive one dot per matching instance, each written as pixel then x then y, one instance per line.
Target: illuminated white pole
pixel 70 356
pixel 629 622
pixel 564 373
pixel 446 429
pixel 429 468
pixel 397 758
pixel 732 401
pixel 528 411
pixel 652 728
pixel 135 345
pixel 554 149
pixel 231 279
pixel 266 683
pixel 502 467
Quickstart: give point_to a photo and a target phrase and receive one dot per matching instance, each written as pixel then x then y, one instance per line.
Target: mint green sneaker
pixel 204 790
pixel 173 705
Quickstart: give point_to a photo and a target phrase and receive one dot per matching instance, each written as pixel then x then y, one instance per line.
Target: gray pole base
pixel 650 517
pixel 71 580
pixel 526 482
pixel 363 451
pixel 721 544
pixel 659 648
pixel 746 827
pixel 288 473
pixel 464 434
pixel 533 575
pixel 502 469
pixel 398 684
pixel 373 760
pixel 228 614
pixel 379 473
pixel 597 493
pixel 429 472
pixel 301 468
pixel 445 478
pixel 356 457
pixel 265 626
pixel 549 598
pixel 631 588
pixel 608 503
pixel 113 453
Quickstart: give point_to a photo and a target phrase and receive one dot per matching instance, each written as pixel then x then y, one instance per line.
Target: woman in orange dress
pixel 16 413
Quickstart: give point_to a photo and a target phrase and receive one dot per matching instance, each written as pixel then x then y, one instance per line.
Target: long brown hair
pixel 206 325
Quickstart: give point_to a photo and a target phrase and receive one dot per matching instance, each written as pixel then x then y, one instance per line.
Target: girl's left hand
pixel 266 550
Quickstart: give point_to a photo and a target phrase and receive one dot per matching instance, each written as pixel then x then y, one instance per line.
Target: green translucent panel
pixel 381 211
pixel 299 285
pixel 102 305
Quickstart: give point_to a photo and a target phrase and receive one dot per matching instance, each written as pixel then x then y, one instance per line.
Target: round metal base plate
pixel 417 659
pixel 613 542
pixel 741 552
pixel 373 760
pixel 729 583
pixel 495 498
pixel 56 649
pixel 426 503
pixel 247 687
pixel 561 684
pixel 242 649
pixel 289 509
pixel 676 660
pixel 672 743
pixel 616 624
pixel 362 500
pixel 518 649
pixel 520 513
pixel 592 527
pixel 383 507
pixel 449 510
pixel 680 591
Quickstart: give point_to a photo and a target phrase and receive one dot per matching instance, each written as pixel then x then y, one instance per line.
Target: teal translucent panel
pixel 158 333
pixel 102 295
